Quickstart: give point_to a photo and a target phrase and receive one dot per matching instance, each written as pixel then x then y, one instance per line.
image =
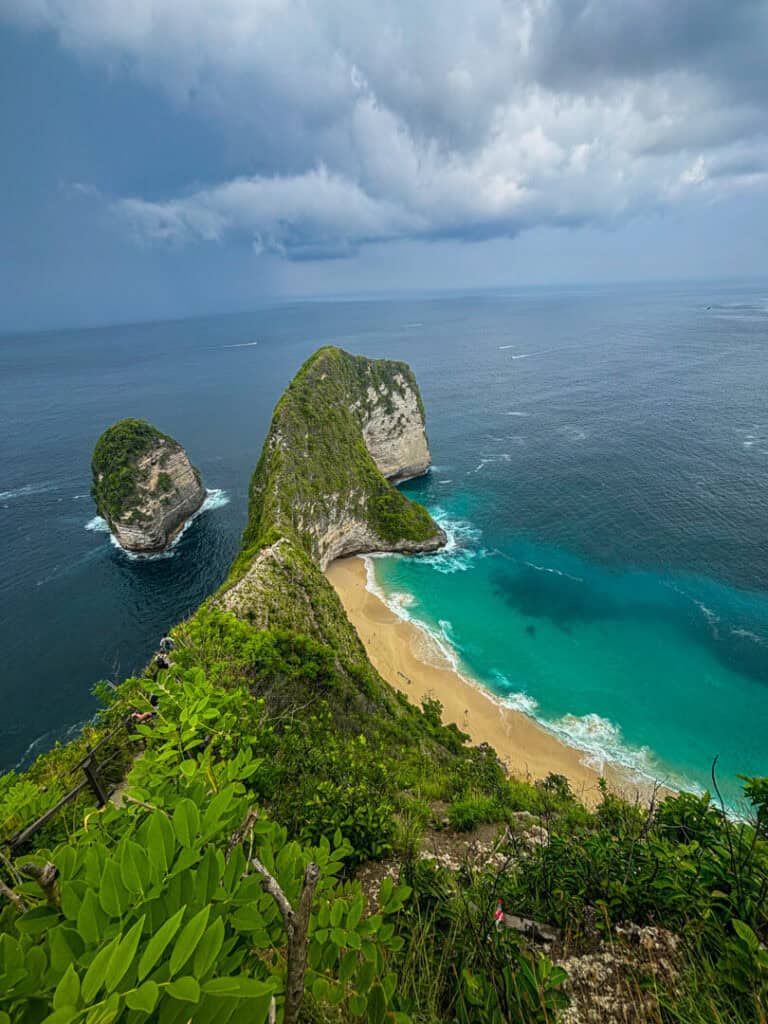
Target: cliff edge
pixel 344 430
pixel 144 485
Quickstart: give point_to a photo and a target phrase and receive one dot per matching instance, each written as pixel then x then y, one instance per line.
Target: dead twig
pixel 240 833
pixel 16 900
pixel 296 926
pixel 47 877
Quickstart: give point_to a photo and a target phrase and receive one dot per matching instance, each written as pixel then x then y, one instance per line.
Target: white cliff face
pixel 168 494
pixel 394 431
pixel 347 534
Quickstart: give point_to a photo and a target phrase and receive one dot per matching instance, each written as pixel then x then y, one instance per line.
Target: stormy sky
pixel 174 157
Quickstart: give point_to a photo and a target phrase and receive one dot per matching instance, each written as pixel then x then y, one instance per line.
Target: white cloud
pixel 408 120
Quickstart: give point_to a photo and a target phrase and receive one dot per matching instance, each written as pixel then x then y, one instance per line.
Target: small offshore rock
pixel 144 485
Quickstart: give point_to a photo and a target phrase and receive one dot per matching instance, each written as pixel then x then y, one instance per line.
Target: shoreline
pixel 408 658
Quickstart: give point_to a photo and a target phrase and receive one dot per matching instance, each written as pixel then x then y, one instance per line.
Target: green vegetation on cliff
pixel 315 460
pixel 116 474
pixel 276 746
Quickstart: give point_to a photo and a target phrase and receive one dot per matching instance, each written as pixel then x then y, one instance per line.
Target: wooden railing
pixel 92 768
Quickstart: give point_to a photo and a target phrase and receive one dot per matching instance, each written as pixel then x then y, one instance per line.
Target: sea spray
pixel 215 498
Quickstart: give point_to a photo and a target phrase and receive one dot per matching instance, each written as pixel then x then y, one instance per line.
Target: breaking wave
pixel 462 547
pixel 215 498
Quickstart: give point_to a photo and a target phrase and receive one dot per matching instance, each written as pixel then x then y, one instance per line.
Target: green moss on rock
pixel 315 465
pixel 116 473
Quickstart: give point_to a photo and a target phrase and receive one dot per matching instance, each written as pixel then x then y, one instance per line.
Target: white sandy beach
pixel 407 657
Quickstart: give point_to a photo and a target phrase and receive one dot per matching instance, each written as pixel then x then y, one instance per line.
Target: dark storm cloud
pixel 357 123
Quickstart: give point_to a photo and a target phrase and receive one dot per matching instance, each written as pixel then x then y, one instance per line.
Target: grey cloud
pixel 410 120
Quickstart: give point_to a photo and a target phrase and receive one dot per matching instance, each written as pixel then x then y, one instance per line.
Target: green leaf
pixel 348 964
pixel 60 952
pixel 365 976
pixel 97 971
pixel 106 1012
pixel 114 898
pixel 385 892
pixel 221 987
pixel 238 985
pixel 161 843
pixel 216 809
pixel 37 920
pixel 72 897
pixel 186 944
pixel 158 943
pixel 185 988
pixel 123 956
pixel 134 867
pixel 208 949
pixel 746 934
pixel 377 1005
pixel 320 989
pixel 68 989
pixel 64 1015
pixel 143 998
pixel 186 821
pixel 355 913
pixel 358 1004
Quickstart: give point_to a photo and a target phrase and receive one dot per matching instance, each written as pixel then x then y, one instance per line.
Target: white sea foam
pixel 521 355
pixel 97 525
pixel 516 412
pixel 45 741
pixel 27 490
pixel 713 620
pixel 462 546
pixel 555 572
pixel 599 739
pixel 488 460
pixel 242 344
pixel 502 347
pixel 517 700
pixel 215 498
pixel 747 634
pixel 603 742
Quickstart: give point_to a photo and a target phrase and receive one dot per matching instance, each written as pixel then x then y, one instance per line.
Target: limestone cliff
pixel 344 429
pixel 144 485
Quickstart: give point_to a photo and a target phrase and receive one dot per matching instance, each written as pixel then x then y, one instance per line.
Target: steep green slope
pixel 316 474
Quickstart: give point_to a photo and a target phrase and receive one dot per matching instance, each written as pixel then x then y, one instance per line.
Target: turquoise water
pixel 625 664
pixel 601 462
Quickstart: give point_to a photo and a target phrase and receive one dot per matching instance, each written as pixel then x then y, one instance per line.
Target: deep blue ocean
pixel 601 466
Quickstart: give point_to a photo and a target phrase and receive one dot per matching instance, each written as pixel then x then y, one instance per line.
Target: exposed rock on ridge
pixel 394 430
pixel 345 427
pixel 144 485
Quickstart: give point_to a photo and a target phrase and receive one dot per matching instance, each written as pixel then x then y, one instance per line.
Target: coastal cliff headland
pixel 282 836
pixel 144 485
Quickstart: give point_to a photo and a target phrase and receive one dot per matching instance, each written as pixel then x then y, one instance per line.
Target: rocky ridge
pixel 344 430
pixel 144 485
